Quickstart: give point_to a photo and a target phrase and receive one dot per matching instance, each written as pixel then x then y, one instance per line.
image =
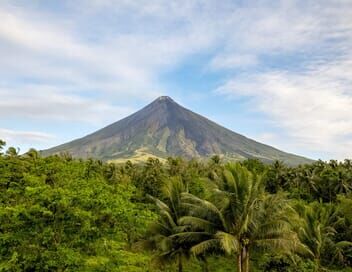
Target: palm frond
pixel 197 223
pixel 228 242
pixel 205 247
pixel 191 236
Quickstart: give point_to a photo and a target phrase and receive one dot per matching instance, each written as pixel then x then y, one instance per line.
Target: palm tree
pixel 276 177
pixel 33 154
pixel 316 231
pixel 240 218
pixel 12 152
pixel 167 248
pixel 2 145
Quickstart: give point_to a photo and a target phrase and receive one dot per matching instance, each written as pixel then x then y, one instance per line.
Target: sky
pixel 279 72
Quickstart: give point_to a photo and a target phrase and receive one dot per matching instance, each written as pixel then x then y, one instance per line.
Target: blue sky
pixel 276 71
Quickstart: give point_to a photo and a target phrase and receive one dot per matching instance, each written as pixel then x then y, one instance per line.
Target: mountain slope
pixel 164 128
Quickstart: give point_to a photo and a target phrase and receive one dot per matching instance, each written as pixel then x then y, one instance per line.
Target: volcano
pixel 164 128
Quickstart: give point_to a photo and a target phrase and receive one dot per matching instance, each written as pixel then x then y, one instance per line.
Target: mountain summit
pixel 164 128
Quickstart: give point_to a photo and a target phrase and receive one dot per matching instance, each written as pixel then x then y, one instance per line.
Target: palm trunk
pixel 245 261
pixel 239 262
pixel 205 266
pixel 317 265
pixel 180 267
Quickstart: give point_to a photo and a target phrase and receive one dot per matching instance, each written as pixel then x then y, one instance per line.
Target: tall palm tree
pixel 240 218
pixel 2 145
pixel 316 231
pixel 162 241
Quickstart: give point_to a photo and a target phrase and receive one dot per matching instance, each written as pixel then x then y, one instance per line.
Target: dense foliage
pixel 63 214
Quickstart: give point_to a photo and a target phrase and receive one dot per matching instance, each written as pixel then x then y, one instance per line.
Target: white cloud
pixel 39 55
pixel 312 107
pixel 65 69
pixel 45 52
pixel 309 98
pixel 25 137
pixel 233 61
pixel 46 102
pixel 86 61
pixel 125 61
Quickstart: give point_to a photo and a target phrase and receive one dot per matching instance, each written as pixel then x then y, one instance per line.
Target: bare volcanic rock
pixel 164 128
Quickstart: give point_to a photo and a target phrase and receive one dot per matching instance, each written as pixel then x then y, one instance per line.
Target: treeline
pixel 63 214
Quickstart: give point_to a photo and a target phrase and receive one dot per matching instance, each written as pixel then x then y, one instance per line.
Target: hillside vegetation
pixel 58 213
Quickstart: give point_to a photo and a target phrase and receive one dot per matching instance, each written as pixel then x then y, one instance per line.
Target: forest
pixel 58 213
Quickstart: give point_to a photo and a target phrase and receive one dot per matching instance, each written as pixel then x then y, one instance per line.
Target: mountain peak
pixel 164 98
pixel 164 128
pixel 162 102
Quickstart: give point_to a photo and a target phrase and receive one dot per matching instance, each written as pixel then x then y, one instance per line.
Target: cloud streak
pixel 25 137
pixel 309 102
pixel 87 61
pixel 312 108
pixel 47 103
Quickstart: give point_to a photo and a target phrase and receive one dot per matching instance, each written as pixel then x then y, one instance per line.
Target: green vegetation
pixel 63 214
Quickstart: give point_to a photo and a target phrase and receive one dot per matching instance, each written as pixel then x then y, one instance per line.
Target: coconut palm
pixel 12 152
pixel 162 241
pixel 317 230
pixel 240 218
pixel 2 145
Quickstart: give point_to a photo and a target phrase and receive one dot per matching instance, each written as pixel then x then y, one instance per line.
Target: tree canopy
pixel 59 213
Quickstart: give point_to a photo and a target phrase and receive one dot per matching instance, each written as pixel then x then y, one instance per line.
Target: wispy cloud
pixel 48 103
pixel 25 137
pixel 39 55
pixel 233 61
pixel 137 42
pixel 85 60
pixel 121 61
pixel 311 100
